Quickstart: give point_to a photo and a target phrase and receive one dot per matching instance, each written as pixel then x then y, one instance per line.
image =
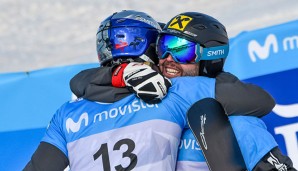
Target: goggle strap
pixel 217 52
pixel 199 52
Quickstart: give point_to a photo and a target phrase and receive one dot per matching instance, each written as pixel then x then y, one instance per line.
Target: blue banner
pixel 28 102
pixel 269 58
pixel 282 122
pixel 264 51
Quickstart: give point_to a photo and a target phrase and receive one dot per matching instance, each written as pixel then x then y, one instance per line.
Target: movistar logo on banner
pixel 271 45
pixel 256 50
pixel 264 51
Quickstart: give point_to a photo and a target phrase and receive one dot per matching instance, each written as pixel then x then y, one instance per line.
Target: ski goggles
pixel 184 51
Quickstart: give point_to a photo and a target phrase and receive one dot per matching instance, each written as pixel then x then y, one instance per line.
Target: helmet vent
pixel 120 36
pixel 216 26
pixel 199 15
pixel 121 20
pixel 199 26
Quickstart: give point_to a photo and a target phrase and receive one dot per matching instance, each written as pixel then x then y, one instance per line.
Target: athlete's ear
pixel 211 68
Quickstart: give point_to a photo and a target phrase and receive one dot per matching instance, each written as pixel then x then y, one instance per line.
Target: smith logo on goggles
pixel 184 51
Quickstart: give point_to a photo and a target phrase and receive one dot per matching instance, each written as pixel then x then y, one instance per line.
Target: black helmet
pixel 161 24
pixel 127 34
pixel 202 29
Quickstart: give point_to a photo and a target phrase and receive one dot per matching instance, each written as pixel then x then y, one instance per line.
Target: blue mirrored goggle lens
pixel 182 50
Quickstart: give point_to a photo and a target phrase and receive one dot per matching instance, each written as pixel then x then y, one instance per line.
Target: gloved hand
pixel 145 82
pixel 148 84
pixel 117 76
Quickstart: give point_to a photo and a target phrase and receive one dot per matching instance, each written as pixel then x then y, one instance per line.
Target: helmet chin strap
pixel 119 61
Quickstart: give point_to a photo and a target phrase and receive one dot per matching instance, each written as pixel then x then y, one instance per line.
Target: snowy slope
pixel 35 34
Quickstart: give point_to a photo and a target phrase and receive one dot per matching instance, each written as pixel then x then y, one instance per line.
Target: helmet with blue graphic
pixel 208 38
pixel 127 35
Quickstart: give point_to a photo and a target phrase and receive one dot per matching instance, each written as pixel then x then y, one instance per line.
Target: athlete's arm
pixel 107 84
pixel 81 80
pixel 96 85
pixel 236 97
pixel 240 98
pixel 47 158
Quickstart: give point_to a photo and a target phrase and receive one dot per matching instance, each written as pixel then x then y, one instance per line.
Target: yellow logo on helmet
pixel 180 22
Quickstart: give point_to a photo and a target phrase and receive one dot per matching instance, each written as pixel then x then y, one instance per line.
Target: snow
pixel 38 34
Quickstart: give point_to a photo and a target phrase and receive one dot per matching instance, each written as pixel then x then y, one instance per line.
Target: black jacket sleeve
pixel 240 98
pixel 80 81
pixel 96 85
pixel 47 158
